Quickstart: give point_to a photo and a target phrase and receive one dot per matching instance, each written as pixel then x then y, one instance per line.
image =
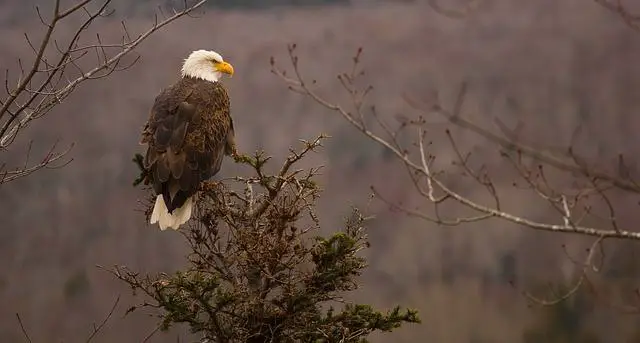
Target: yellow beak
pixel 224 67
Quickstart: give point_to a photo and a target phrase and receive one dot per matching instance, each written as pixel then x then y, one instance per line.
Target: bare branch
pixel 97 329
pixel 22 328
pixel 52 160
pixel 587 266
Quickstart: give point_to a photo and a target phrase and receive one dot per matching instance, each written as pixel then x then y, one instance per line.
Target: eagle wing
pixel 230 142
pixel 188 135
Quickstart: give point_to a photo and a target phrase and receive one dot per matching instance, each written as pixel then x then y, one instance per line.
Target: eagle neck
pixel 195 79
pixel 200 71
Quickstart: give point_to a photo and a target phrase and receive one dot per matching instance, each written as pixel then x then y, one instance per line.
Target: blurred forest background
pixel 555 64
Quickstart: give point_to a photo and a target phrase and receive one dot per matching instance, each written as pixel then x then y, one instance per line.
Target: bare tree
pixel 59 65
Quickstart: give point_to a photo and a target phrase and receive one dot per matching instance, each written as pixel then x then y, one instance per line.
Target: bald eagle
pixel 188 133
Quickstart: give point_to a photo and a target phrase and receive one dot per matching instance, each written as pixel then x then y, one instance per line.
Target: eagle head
pixel 206 65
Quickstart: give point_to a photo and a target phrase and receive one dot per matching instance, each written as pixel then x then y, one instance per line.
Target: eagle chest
pixel 211 123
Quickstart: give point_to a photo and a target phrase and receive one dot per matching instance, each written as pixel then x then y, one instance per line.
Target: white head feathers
pixel 206 65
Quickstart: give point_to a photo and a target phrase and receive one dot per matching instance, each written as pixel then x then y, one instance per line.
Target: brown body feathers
pixel 189 132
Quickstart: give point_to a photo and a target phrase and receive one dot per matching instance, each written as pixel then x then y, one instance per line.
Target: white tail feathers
pixel 173 220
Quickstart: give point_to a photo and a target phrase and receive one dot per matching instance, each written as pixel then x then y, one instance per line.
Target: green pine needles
pixel 256 273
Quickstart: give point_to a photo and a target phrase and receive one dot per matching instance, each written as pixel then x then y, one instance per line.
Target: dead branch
pixel 23 329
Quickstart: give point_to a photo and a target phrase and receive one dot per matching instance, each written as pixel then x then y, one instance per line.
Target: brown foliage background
pixel 554 64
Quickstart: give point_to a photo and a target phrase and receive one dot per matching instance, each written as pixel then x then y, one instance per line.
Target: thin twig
pixel 22 328
pixel 102 324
